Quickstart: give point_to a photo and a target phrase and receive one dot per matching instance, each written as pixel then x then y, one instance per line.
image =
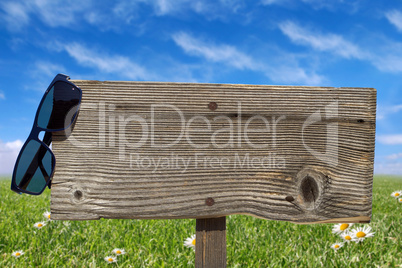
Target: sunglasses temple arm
pixel 47 139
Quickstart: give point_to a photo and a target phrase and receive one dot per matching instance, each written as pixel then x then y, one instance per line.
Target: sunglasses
pixel 57 111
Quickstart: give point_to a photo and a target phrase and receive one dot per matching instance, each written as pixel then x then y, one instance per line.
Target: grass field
pixel 251 242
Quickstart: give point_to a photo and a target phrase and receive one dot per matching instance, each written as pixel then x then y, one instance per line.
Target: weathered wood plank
pixel 315 146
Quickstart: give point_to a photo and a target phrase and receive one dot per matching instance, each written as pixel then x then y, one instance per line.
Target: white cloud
pixel 383 111
pixel 394 156
pixel 16 15
pixel 107 63
pixel 8 155
pixel 2 96
pixel 72 13
pixel 391 168
pixel 384 54
pixel 387 56
pixel 163 7
pixel 216 53
pixel 322 42
pixel 331 5
pixel 48 68
pixel 210 9
pixel 53 13
pixel 395 139
pixel 42 72
pixel 395 18
pixel 280 68
pixel 294 74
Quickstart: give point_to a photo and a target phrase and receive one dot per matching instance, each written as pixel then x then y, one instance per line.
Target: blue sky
pixel 275 42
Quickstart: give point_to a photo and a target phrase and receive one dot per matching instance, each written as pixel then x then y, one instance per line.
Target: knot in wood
pixel 312 187
pixel 309 190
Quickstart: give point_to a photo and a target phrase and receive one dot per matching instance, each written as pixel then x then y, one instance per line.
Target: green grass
pixel 251 242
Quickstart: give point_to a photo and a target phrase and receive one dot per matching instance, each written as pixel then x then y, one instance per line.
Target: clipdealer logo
pixel 237 132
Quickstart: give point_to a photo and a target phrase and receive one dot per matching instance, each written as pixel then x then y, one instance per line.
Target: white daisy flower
pixel 119 251
pixel 397 194
pixel 39 225
pixel 336 246
pixel 190 242
pixel 341 227
pixel 400 200
pixel 47 215
pixel 18 253
pixel 110 259
pixel 361 233
pixel 347 236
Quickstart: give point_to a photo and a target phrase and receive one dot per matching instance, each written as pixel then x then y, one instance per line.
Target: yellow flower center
pixel 397 194
pixel 17 254
pixel 347 237
pixel 344 226
pixel 110 259
pixel 48 216
pixel 360 234
pixel 40 225
pixel 193 242
pixel 118 252
pixel 336 246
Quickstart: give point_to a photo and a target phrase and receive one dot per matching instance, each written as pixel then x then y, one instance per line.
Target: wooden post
pixel 210 243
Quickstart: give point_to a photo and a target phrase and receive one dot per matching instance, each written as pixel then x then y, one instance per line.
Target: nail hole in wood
pixel 209 201
pixel 289 198
pixel 360 121
pixel 78 195
pixel 212 106
pixel 309 190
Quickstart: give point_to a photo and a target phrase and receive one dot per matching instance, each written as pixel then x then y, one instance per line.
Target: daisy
pixel 111 259
pixel 39 225
pixel 337 246
pixel 17 253
pixel 396 194
pixel 347 236
pixel 359 234
pixel 119 251
pixel 47 215
pixel 400 200
pixel 341 227
pixel 190 242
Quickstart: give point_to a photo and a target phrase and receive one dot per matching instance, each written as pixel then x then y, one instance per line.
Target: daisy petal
pixel 110 259
pixel 190 242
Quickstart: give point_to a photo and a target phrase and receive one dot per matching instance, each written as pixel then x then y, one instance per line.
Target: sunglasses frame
pixel 34 135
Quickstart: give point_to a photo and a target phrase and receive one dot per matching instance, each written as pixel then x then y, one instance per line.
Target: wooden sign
pixel 145 150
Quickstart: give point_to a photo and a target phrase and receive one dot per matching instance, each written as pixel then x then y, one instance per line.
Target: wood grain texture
pixel 210 246
pixel 105 169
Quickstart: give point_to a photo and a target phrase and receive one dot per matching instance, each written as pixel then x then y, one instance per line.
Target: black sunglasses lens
pixel 58 102
pixel 34 167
